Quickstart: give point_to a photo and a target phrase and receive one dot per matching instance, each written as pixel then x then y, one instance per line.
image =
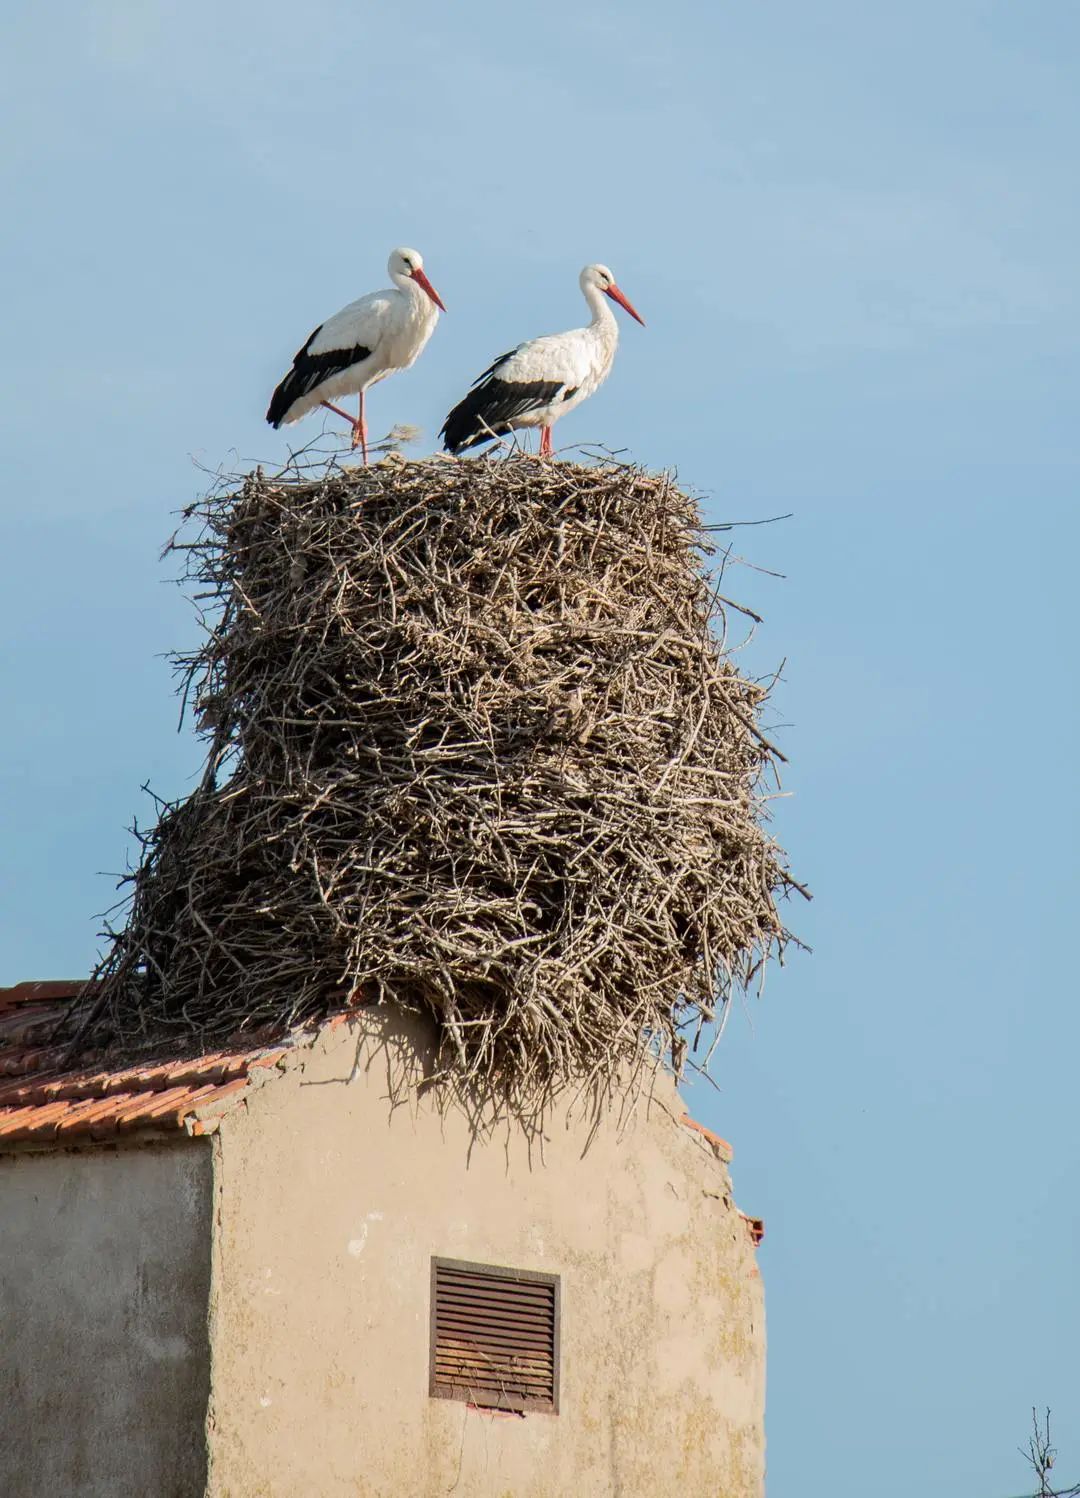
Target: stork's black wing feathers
pixel 499 362
pixel 489 410
pixel 310 370
pixel 492 406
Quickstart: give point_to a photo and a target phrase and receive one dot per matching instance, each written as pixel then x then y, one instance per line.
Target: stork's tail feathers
pixel 281 400
pixel 309 371
pixel 466 427
pixel 495 407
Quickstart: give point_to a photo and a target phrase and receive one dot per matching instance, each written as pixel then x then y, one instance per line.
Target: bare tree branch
pixel 1042 1455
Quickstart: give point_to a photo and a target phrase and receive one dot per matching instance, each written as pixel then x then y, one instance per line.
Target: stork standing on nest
pixel 369 339
pixel 543 379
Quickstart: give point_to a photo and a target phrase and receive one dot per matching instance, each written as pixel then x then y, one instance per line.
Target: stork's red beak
pixel 616 296
pixel 425 285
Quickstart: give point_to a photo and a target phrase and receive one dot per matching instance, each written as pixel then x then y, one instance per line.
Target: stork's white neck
pixel 600 308
pixel 408 286
pixel 416 309
pixel 604 326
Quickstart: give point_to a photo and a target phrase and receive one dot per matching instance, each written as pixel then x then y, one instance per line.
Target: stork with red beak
pixel 539 381
pixel 363 343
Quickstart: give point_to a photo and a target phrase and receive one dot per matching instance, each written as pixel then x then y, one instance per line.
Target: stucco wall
pixel 331 1206
pixel 104 1358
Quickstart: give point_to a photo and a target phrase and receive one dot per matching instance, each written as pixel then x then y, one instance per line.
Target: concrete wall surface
pixel 331 1204
pixel 104 1352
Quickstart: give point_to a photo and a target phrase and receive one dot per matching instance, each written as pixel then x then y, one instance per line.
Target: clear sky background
pixel 853 230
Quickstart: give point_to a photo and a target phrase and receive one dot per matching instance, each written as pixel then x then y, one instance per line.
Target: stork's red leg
pixel 545 442
pixel 359 435
pixel 337 411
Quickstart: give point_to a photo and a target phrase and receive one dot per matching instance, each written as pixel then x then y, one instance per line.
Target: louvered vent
pixel 494 1336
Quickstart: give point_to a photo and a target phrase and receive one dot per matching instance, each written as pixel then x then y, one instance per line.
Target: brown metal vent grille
pixel 494 1336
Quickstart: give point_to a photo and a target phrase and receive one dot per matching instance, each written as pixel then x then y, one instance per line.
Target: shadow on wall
pixel 398 1053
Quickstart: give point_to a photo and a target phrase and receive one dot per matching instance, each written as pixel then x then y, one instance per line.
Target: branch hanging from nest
pixel 475 748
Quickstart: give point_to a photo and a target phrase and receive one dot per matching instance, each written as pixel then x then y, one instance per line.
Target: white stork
pixel 539 381
pixel 369 339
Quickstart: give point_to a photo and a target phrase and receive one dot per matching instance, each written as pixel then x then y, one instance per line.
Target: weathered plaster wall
pixel 104 1355
pixel 331 1205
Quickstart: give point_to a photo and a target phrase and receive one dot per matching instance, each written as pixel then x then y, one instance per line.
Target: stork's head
pixel 407 265
pixel 600 277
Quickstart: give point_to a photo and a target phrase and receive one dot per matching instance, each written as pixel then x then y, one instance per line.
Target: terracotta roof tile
pixel 18 1062
pixel 34 1120
pixel 720 1147
pixel 44 1097
pixel 87 1114
pixel 34 993
pixel 755 1226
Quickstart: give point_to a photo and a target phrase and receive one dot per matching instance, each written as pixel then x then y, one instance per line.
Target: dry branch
pixel 476 750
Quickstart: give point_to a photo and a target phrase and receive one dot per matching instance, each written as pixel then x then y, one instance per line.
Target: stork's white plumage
pixel 369 339
pixel 543 379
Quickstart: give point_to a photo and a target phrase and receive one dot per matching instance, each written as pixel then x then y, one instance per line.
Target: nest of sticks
pixel 477 749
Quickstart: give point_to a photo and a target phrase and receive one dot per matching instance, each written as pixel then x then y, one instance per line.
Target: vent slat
pixel 480 1308
pixel 530 1388
pixel 520 1290
pixel 504 1290
pixel 467 1295
pixel 536 1378
pixel 495 1399
pixel 489 1347
pixel 494 1292
pixel 494 1337
pixel 484 1357
pixel 469 1377
pixel 507 1323
pixel 481 1315
pixel 478 1393
pixel 496 1308
pixel 498 1336
pixel 474 1306
pixel 504 1355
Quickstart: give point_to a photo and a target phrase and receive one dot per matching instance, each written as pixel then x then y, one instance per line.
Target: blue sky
pixel 852 230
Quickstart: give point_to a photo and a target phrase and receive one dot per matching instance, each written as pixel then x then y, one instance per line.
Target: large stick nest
pixel 476 749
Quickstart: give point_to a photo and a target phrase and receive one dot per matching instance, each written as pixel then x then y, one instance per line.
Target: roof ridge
pixel 49 990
